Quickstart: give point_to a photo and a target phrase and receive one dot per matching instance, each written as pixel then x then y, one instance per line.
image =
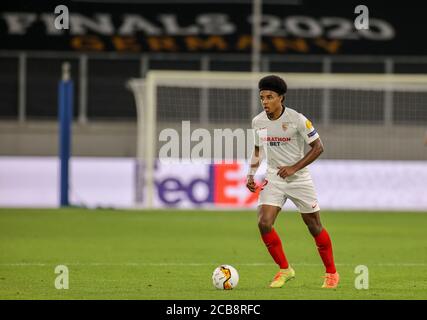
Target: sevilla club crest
pixel 284 126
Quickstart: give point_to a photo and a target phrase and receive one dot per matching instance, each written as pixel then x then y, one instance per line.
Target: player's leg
pixel 267 214
pixel 303 195
pixel 270 202
pixel 324 247
pixel 312 221
pixel 322 239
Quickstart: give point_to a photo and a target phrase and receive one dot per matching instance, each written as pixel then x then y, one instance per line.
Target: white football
pixel 225 277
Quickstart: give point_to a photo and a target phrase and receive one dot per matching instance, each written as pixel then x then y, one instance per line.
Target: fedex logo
pixel 192 185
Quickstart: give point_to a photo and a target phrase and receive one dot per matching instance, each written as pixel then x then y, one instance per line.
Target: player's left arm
pixel 311 137
pixel 315 151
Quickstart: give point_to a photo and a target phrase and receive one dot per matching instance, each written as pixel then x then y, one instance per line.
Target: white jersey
pixel 283 141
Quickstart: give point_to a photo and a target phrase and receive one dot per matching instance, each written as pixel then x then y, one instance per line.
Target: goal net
pixel 205 117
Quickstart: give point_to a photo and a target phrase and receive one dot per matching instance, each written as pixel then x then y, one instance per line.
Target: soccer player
pixel 283 132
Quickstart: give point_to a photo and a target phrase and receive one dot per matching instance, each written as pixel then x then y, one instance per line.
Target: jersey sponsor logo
pixel 314 205
pixel 312 133
pixel 276 139
pixel 308 124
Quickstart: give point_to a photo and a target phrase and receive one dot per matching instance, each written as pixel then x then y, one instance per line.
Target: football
pixel 225 277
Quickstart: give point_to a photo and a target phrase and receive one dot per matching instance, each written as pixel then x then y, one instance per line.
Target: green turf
pixel 171 254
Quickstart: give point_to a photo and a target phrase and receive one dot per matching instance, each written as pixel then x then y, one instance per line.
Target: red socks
pixel 323 242
pixel 324 246
pixel 274 246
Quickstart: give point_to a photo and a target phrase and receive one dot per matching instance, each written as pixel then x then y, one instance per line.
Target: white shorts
pixel 301 193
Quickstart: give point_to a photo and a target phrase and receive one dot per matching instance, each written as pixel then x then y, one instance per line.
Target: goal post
pixel 360 116
pixel 65 112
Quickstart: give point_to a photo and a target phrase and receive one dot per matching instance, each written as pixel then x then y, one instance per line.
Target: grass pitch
pixel 114 254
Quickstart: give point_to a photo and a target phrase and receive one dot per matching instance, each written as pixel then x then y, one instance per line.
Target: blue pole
pixel 65 105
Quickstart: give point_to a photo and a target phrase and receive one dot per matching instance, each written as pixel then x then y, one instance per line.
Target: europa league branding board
pixel 298 27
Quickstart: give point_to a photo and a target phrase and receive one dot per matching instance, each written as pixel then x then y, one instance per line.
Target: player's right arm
pixel 255 159
pixel 254 163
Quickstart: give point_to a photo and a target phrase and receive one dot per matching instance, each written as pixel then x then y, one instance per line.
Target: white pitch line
pixel 191 264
